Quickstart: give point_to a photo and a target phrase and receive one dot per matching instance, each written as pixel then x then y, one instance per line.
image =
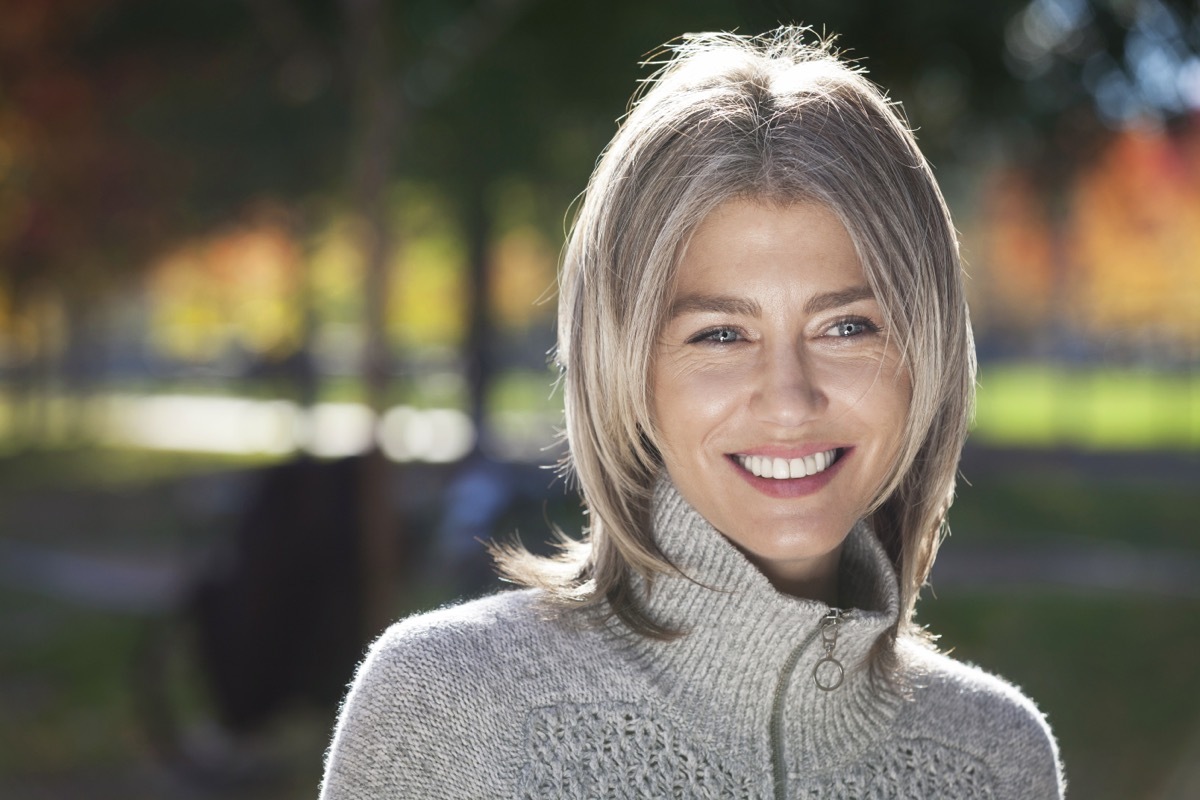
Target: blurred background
pixel 276 303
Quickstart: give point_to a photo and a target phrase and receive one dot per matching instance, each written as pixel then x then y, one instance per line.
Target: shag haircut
pixel 782 119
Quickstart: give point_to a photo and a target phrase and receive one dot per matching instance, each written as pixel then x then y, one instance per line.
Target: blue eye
pixel 723 336
pixel 716 336
pixel 853 327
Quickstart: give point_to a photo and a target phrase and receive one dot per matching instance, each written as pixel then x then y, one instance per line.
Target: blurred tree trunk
pixel 301 375
pixel 480 333
pixel 39 370
pixel 17 385
pixel 83 352
pixel 378 123
pixel 383 116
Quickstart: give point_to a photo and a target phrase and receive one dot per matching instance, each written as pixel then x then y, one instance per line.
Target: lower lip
pixel 791 487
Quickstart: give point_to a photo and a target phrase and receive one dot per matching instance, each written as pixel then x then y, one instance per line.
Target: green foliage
pixel 1043 405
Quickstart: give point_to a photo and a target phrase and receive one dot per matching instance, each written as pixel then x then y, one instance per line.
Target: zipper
pixel 827 673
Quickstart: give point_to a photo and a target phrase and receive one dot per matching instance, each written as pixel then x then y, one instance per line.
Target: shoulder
pixel 461 635
pixel 436 696
pixel 986 716
pixel 503 638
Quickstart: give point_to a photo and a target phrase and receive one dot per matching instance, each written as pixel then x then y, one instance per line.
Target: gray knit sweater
pixel 495 698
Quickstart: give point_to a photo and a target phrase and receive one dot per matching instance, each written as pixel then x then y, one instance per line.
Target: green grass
pixel 1045 405
pixel 1016 509
pixel 71 689
pixel 64 673
pixel 109 467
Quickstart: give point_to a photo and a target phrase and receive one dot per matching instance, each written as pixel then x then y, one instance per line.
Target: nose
pixel 788 390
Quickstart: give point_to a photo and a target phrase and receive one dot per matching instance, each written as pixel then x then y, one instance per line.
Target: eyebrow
pixel 717 304
pixel 740 306
pixel 842 297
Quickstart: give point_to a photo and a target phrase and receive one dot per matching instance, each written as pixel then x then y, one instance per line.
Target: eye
pixel 852 326
pixel 716 336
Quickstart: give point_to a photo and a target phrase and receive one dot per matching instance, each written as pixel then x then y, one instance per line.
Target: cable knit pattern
pixel 497 698
pixel 607 739
pixel 905 769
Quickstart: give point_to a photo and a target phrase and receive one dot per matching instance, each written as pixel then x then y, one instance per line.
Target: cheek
pixel 886 407
pixel 877 385
pixel 689 400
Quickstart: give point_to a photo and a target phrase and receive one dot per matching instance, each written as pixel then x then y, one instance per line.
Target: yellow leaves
pixel 335 273
pixel 428 292
pixel 244 287
pixel 522 275
pixel 238 286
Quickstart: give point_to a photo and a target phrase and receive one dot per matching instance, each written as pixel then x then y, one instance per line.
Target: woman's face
pixel 779 399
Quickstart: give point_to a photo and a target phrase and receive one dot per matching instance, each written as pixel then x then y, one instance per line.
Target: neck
pixel 814 579
pixel 743 638
pixel 856 575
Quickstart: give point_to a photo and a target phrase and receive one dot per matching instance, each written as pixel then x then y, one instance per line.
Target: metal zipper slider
pixel 828 671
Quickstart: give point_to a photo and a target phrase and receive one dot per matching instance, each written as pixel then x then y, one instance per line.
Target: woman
pixel 768 371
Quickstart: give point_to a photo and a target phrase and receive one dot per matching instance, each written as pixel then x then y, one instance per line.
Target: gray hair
pixel 779 118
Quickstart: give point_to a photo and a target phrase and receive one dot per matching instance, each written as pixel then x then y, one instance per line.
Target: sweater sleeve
pixel 968 708
pixel 384 744
pixel 1026 754
pixel 424 716
pixel 430 712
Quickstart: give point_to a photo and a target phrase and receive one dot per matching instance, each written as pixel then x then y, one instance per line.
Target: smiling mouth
pixel 782 469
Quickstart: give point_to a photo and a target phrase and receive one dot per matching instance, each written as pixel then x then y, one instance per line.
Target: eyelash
pixel 867 325
pixel 709 335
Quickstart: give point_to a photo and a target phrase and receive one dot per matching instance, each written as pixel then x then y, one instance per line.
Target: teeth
pixel 784 469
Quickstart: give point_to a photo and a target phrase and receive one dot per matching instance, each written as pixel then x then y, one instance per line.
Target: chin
pixel 779 543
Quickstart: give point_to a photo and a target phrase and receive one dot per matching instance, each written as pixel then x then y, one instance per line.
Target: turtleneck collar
pixel 744 641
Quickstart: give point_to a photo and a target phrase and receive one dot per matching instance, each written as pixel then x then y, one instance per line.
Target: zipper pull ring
pixel 828 673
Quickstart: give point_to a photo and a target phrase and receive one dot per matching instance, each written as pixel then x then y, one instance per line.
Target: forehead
pixel 748 247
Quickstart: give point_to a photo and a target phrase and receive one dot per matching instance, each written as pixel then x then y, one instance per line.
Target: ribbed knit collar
pixel 740 632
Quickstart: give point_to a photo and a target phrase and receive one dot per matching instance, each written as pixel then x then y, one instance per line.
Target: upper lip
pixel 789 451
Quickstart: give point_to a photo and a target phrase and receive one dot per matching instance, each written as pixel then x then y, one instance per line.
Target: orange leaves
pixel 1018 246
pixel 1135 234
pixel 1120 263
